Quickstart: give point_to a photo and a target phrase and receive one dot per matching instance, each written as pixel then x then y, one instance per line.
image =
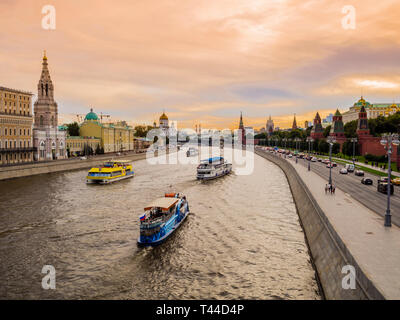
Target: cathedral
pixel 49 142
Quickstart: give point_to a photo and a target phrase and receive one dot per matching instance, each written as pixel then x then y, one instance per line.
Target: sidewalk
pixel 375 248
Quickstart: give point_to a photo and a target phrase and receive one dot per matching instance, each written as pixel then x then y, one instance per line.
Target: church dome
pixel 362 102
pixel 163 116
pixel 91 116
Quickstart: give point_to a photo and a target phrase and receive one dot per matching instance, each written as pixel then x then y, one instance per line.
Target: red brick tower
pixel 317 132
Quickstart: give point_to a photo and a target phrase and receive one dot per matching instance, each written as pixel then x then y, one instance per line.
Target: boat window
pixel 99 174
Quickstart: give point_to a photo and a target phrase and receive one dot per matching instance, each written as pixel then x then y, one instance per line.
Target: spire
pixel 294 126
pixel 241 121
pixel 45 85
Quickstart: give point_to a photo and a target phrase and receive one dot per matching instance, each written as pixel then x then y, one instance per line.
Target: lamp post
pixel 387 141
pixel 285 140
pixel 331 140
pixel 309 140
pixel 297 140
pixel 354 140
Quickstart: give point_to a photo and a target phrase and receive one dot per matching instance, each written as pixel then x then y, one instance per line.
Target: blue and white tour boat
pixel 161 218
pixel 213 168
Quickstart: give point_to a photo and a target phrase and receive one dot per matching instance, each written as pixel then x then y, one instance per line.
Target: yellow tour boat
pixel 110 171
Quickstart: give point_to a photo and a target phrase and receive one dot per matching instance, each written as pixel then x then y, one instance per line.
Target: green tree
pixel 350 129
pixel 73 129
pixel 141 131
pixel 327 130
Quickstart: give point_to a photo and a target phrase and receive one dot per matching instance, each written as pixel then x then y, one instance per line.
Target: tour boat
pixel 161 218
pixel 192 152
pixel 213 168
pixel 110 171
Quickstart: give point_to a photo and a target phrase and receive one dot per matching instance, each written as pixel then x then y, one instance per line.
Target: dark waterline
pixel 242 240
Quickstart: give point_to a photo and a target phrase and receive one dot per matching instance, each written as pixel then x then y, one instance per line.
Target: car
pixel 396 181
pixel 290 155
pixel 329 165
pixel 313 159
pixel 334 164
pixel 359 172
pixel 83 158
pixel 343 171
pixel 383 187
pixel 367 181
pixel 319 160
pixel 383 180
pixel 350 167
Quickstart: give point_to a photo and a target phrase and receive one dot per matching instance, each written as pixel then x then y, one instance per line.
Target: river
pixel 242 240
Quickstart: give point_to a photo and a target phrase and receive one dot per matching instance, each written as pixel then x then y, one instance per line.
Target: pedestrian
pixel 326 188
pixel 333 189
pixel 330 189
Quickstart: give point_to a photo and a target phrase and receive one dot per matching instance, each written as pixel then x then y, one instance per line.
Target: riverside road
pixel 351 184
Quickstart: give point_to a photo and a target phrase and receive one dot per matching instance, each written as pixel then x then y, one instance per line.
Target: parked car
pixel 366 181
pixel 359 173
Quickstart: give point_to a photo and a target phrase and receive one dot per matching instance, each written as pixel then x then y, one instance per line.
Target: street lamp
pixel 309 140
pixel 331 140
pixel 297 140
pixel 387 141
pixel 354 140
pixel 285 140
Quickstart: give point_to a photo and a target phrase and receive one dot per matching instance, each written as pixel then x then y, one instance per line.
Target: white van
pixel 349 167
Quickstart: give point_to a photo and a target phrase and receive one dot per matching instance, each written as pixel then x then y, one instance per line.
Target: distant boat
pixel 192 152
pixel 213 168
pixel 110 171
pixel 161 218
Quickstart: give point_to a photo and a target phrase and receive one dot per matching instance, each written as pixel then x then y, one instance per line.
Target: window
pixel 41 120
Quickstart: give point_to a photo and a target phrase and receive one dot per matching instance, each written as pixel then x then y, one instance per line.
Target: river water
pixel 242 240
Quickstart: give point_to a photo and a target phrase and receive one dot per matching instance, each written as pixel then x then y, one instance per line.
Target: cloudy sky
pixel 204 61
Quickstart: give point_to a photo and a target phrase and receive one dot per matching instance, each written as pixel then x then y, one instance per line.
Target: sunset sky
pixel 204 61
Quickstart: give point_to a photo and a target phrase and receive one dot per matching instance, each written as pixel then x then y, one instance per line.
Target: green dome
pixel 91 116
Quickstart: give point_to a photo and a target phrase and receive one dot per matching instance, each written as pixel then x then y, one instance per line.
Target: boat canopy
pixel 163 203
pixel 215 159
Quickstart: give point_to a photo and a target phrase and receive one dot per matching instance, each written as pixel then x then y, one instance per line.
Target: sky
pixel 204 62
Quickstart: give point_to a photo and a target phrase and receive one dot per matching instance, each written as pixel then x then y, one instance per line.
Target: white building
pixel 47 139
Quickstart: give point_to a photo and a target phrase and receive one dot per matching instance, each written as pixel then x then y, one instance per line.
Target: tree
pixel 350 129
pixel 327 131
pixel 141 131
pixel 73 129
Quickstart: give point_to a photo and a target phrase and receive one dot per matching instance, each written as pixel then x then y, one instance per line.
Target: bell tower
pixel 45 108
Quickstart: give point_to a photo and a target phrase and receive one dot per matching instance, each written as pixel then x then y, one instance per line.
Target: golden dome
pixel 163 116
pixel 44 55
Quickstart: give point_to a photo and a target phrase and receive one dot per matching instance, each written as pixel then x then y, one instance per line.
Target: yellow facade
pixel 116 137
pixel 16 145
pixel 76 145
